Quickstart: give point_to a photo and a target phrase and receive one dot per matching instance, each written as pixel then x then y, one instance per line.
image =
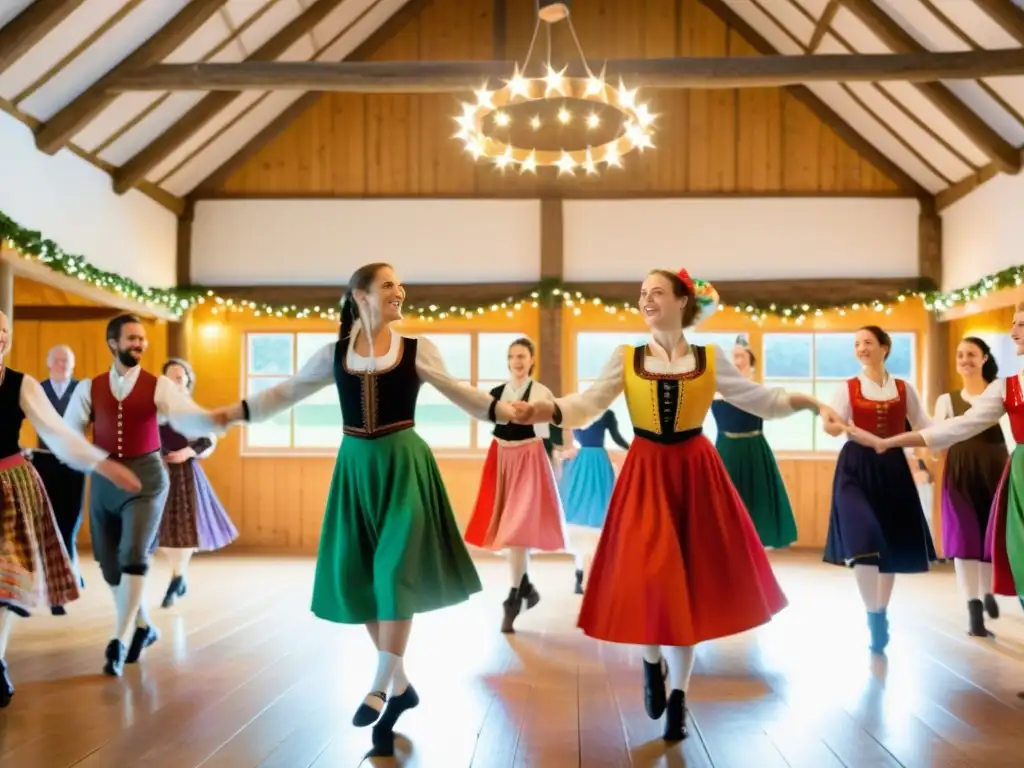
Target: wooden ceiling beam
pixel 693 73
pixel 31 26
pixel 135 170
pixel 369 47
pixel 64 314
pixel 823 111
pixel 824 25
pixel 56 132
pixel 1006 14
pixel 998 149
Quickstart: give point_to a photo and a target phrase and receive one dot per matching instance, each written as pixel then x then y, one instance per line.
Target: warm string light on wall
pixel 525 124
pixel 33 246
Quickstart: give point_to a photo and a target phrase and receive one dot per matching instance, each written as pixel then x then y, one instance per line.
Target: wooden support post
pixel 552 267
pixel 177 332
pixel 936 341
pixel 7 292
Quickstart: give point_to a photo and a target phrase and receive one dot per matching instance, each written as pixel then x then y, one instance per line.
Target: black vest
pixel 11 415
pixel 374 404
pixel 60 404
pixel 512 433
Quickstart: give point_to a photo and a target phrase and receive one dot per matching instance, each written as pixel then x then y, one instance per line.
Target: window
pixel 315 425
pixel 818 364
pixel 593 350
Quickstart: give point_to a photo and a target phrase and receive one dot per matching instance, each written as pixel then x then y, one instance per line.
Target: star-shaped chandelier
pixel 554 120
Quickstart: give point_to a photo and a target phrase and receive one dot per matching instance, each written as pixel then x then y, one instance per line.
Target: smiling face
pixel 660 307
pixel 520 361
pixel 131 344
pixel 969 359
pixel 384 298
pixel 869 351
pixel 1017 332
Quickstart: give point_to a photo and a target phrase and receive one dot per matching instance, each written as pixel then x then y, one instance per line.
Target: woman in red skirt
pixel 518 507
pixel 679 561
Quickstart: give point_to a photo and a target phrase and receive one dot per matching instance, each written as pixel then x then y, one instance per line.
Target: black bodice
pixel 378 403
pixel 11 415
pixel 512 433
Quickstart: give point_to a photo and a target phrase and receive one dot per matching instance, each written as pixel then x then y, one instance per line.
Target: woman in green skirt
pixel 389 547
pixel 751 464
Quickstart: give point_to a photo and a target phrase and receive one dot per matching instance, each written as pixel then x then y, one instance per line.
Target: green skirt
pixel 752 468
pixel 390 547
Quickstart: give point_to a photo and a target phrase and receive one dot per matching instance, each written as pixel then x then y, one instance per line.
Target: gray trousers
pixel 125 525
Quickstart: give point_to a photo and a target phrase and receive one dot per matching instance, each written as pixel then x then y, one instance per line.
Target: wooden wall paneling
pixel 758 141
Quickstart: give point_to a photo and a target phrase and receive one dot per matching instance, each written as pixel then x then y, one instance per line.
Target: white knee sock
pixel 7 618
pixel 580 560
pixel 652 654
pixel 386 664
pixel 968 577
pixel 984 578
pixel 518 561
pixel 399 682
pixel 178 558
pixel 680 660
pixel 867 584
pixel 129 598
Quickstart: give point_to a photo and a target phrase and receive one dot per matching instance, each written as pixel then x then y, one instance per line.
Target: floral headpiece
pixel 703 293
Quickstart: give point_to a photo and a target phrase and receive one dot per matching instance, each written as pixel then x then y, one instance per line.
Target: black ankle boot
pixel 976 612
pixel 528 592
pixel 512 605
pixel 579 582
pixel 6 686
pixel 141 640
pixel 675 717
pixel 991 607
pixel 115 654
pixel 654 688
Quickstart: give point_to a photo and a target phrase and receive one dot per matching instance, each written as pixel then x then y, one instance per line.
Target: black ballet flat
pixel 675 717
pixel 383 737
pixel 177 588
pixel 58 610
pixel 6 686
pixel 141 640
pixel 654 688
pixel 114 666
pixel 367 715
pixel 579 582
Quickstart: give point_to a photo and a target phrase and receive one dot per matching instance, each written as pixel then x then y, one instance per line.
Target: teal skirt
pixel 389 547
pixel 755 474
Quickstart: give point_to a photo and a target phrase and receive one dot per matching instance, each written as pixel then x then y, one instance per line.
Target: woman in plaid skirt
pixel 34 565
pixel 194 519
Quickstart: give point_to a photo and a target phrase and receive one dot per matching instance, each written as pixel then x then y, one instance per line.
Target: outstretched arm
pixel 985 411
pixel 67 445
pixel 477 403
pixel 317 373
pixel 181 411
pixel 584 408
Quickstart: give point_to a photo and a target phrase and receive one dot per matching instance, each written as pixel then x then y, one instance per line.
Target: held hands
pixel 178 457
pixel 533 413
pixel 225 417
pixel 119 475
pixel 867 439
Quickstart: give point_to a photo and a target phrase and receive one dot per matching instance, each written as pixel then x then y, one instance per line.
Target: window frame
pixel 475 449
pixel 814 379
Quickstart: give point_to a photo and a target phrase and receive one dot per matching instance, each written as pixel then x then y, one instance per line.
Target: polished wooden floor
pixel 244 677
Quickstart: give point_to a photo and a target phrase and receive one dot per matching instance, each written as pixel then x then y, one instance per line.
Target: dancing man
pixel 64 485
pixel 125 408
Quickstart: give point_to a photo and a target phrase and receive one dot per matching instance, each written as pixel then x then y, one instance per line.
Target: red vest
pixel 883 418
pixel 1013 401
pixel 128 428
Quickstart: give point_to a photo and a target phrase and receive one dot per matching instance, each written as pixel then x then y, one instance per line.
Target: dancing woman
pixel 1004 538
pixel 194 519
pixel 876 525
pixel 517 508
pixel 679 561
pixel 588 479
pixel 751 464
pixel 34 564
pixel 389 547
pixel 969 484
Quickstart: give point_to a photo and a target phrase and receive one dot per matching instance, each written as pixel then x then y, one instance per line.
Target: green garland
pixel 178 301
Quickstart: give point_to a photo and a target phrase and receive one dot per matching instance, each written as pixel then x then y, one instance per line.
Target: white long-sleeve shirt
pixel 173 405
pixel 318 373
pixel 986 409
pixel 66 444
pixel 916 414
pixel 584 408
pixel 944 411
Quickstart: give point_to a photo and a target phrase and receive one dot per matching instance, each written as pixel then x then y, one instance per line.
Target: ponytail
pixel 349 315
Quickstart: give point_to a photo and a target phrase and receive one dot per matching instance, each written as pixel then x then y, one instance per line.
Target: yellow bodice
pixel 665 404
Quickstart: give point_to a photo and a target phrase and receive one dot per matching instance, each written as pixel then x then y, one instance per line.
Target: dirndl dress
pixel 1004 538
pixel 876 516
pixel 675 525
pixel 752 467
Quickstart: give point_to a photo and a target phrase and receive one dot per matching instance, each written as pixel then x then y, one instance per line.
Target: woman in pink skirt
pixel 518 507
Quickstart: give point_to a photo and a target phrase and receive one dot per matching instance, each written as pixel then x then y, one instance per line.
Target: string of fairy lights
pixel 179 301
